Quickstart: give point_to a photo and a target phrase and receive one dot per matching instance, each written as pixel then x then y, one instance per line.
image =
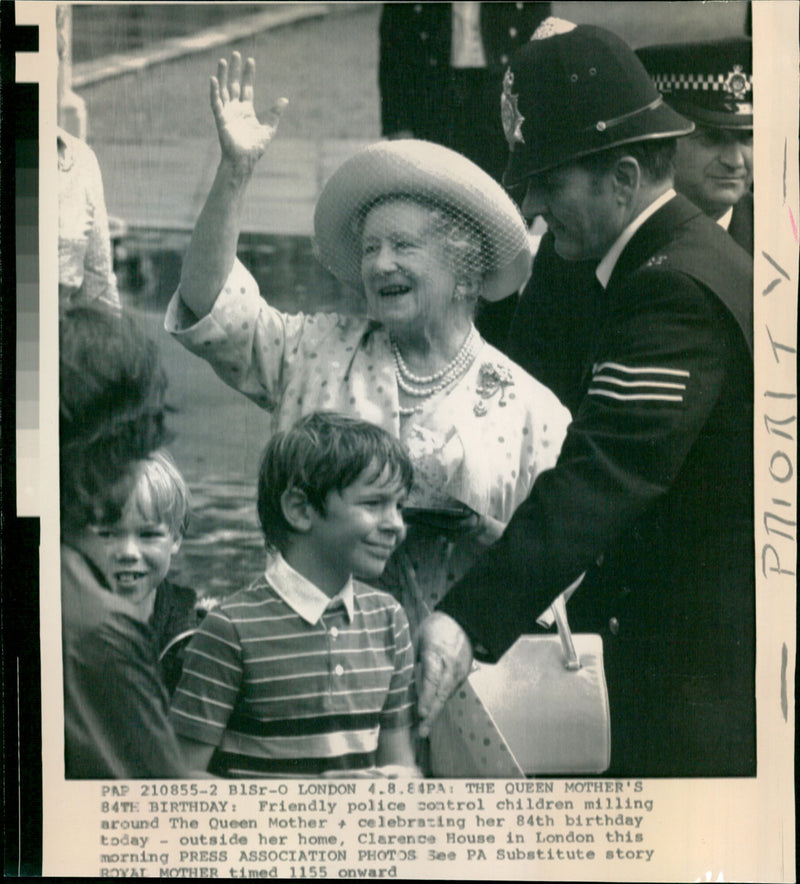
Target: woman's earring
pixel 463 291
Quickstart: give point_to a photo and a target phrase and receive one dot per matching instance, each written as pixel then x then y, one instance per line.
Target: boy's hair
pixel 111 410
pixel 160 492
pixel 321 453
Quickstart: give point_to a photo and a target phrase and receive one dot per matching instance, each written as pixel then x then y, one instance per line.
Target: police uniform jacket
pixel 652 497
pixel 556 315
pixel 414 64
pixel 741 226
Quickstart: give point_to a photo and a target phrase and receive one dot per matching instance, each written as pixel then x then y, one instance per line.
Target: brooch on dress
pixel 491 379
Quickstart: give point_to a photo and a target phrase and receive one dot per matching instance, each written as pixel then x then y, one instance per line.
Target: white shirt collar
pixel 606 267
pixel 301 595
pixel 725 221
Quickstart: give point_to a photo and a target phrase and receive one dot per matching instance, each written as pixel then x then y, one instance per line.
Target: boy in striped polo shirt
pixel 308 672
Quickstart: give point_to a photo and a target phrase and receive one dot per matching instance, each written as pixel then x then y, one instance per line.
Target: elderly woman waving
pixel 421 232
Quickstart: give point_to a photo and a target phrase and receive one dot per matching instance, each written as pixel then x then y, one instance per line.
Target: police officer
pixel 711 84
pixel 652 497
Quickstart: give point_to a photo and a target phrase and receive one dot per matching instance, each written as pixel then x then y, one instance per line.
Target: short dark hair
pixel 323 452
pixel 656 157
pixel 111 410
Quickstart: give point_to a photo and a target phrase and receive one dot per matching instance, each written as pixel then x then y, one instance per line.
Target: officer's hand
pixel 453 522
pixel 445 656
pixel 242 137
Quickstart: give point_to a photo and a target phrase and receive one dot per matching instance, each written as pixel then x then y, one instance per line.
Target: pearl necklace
pixel 425 386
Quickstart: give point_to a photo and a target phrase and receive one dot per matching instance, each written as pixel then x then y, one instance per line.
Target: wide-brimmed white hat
pixel 436 176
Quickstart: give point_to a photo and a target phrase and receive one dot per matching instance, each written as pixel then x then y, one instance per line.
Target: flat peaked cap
pixel 710 82
pixel 575 90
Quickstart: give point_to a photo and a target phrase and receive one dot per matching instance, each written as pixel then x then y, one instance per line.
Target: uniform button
pixel 339 670
pixel 417 7
pixel 334 632
pixel 512 32
pixel 613 625
pixel 432 62
pixel 503 59
pixel 423 35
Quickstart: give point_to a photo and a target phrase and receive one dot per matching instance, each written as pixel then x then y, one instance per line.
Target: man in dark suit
pixel 652 497
pixel 441 71
pixel 711 84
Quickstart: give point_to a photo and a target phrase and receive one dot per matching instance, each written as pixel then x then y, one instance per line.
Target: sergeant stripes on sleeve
pixel 638 383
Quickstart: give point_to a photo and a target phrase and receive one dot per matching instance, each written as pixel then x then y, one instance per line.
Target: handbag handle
pixel 559 609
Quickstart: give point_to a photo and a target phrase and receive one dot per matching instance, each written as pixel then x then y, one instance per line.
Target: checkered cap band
pixel 698 82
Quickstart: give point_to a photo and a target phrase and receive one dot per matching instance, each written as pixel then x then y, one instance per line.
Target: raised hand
pixel 242 137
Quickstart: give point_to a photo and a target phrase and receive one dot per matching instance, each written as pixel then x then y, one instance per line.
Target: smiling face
pixel 133 554
pixel 580 209
pixel 408 275
pixel 714 168
pixel 360 528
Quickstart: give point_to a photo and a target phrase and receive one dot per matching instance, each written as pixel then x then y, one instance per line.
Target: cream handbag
pixel 541 710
